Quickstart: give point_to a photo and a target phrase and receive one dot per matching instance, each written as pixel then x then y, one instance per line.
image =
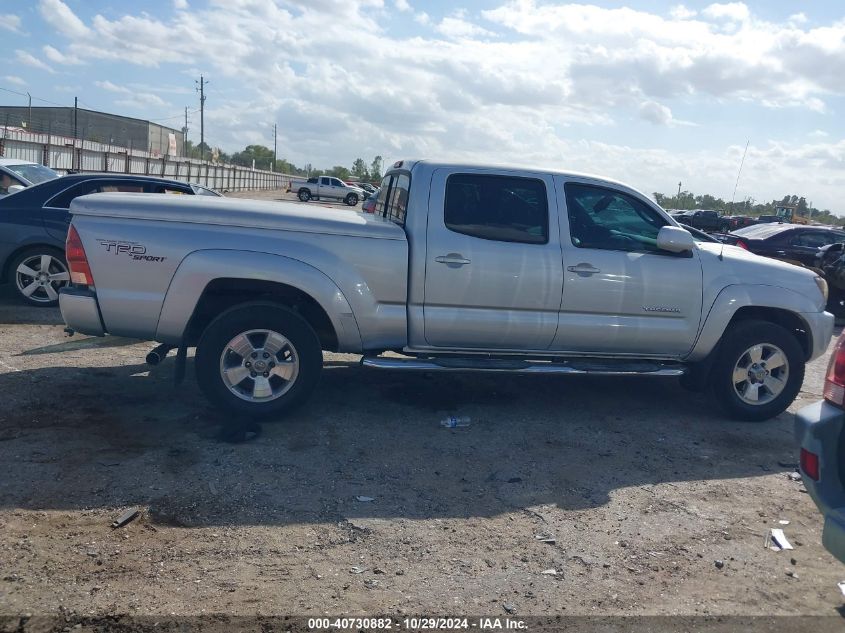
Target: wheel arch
pixel 736 303
pixel 208 282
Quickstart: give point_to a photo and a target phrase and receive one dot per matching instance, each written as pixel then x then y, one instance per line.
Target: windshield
pixel 762 231
pixel 33 173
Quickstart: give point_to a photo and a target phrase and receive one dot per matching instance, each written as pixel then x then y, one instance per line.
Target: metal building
pixel 100 127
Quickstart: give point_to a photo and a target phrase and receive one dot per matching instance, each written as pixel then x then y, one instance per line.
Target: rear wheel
pixel 259 360
pixel 304 195
pixel 759 370
pixel 352 199
pixel 37 274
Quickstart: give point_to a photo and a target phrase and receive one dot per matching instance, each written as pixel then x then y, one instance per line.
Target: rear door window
pixel 502 208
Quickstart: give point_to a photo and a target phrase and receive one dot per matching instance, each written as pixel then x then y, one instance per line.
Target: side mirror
pixel 674 239
pixel 15 188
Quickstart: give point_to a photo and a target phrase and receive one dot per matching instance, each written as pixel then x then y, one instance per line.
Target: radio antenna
pixel 736 184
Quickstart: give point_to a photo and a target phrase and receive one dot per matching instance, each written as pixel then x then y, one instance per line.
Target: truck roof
pixel 409 165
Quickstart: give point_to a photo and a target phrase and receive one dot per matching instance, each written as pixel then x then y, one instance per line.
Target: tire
pixel 351 199
pixel 304 195
pixel 753 347
pixel 234 381
pixel 34 287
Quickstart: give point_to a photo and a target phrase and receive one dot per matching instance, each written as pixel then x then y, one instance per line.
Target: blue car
pixel 820 432
pixel 34 224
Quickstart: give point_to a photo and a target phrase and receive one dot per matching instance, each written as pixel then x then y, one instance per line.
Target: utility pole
pixel 275 138
pixel 29 116
pixel 679 190
pixel 201 88
pixel 185 135
pixel 73 160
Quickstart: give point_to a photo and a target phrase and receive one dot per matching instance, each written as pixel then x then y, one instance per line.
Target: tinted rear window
pixel 392 201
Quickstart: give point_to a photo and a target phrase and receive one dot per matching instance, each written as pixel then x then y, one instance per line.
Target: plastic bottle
pixel 452 421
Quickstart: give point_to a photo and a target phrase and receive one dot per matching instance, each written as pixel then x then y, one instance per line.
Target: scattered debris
pixel 514 480
pixel 452 422
pixel 794 476
pixel 778 538
pixel 546 538
pixel 510 608
pixel 783 522
pixel 549 572
pixel 792 561
pixel 212 488
pixel 364 499
pixel 841 586
pixel 378 570
pixel 792 574
pixel 357 570
pixel 792 465
pixel 720 564
pixel 371 584
pixel 125 518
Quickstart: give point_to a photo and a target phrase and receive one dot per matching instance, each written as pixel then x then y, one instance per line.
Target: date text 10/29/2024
pixel 417 624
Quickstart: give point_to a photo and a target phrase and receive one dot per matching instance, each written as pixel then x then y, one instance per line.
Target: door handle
pixel 583 269
pixel 452 260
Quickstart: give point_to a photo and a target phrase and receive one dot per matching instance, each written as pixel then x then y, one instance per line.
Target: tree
pixel 359 169
pixel 339 172
pixel 375 168
pixel 263 157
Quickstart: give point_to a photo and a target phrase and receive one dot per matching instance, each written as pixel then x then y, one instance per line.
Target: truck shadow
pixel 119 436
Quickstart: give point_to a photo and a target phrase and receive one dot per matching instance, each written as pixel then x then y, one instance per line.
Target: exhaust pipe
pixel 158 354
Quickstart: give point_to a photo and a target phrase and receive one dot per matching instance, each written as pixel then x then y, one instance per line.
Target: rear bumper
pixel 818 429
pixel 80 311
pixel 821 327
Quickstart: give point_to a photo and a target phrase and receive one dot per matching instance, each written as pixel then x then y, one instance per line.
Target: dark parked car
pixel 789 242
pixel 734 222
pixel 34 222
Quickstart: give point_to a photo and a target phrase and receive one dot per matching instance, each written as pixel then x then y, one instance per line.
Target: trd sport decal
pixel 133 249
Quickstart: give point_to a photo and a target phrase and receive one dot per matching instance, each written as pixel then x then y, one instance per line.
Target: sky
pixel 648 92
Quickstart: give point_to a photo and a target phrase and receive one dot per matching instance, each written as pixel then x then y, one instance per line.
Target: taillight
pixel 742 244
pixel 80 271
pixel 810 464
pixel 834 382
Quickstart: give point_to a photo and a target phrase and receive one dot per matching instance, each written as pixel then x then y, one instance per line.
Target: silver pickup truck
pixel 461 268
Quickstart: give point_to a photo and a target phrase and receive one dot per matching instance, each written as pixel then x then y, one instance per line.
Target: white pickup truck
pixel 460 268
pixel 328 187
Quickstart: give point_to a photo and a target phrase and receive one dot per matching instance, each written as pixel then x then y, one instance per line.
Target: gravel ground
pixel 642 498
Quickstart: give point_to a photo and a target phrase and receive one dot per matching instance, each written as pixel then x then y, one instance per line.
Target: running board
pixel 594 367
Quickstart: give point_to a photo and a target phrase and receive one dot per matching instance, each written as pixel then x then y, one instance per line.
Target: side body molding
pixel 737 296
pixel 200 268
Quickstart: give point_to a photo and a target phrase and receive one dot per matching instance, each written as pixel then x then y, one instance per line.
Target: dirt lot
pixel 641 487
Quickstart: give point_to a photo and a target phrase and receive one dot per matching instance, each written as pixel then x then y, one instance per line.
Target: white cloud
pixel 797 18
pixel 732 11
pixel 680 12
pixel 403 5
pixel 527 81
pixel 14 80
pixel 30 60
pixel 62 18
pixel 456 27
pixel 180 5
pixel 10 22
pixel 107 85
pixel 656 113
pixel 55 55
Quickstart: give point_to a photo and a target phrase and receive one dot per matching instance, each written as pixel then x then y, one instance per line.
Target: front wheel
pixel 759 371
pixel 258 360
pixel 352 199
pixel 304 195
pixel 37 275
